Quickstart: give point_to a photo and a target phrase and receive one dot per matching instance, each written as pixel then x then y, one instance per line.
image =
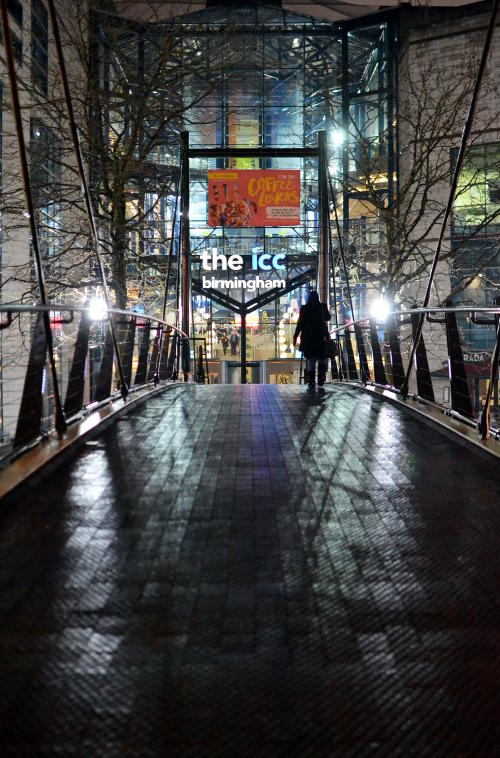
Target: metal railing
pixel 455 359
pixel 97 358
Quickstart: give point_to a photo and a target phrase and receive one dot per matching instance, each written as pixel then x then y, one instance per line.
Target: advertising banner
pixel 264 197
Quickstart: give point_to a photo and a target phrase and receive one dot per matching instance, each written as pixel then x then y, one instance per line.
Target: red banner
pixel 268 197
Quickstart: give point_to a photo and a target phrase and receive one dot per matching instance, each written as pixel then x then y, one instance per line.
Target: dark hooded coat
pixel 312 328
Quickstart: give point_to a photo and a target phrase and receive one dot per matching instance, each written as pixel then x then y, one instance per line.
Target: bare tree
pixel 393 229
pixel 130 93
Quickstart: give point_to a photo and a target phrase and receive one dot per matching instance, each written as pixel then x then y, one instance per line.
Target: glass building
pixel 261 77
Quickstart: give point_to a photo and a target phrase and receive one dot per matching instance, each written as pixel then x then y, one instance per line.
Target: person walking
pixel 224 340
pixel 234 341
pixel 312 328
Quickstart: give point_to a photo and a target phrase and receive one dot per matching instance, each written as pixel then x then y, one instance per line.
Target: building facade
pixel 388 93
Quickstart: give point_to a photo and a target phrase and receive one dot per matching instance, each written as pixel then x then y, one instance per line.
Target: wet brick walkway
pixel 255 571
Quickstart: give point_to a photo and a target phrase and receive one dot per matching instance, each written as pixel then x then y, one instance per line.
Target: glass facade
pixel 475 233
pixel 15 9
pixel 282 79
pixel 46 187
pixel 39 46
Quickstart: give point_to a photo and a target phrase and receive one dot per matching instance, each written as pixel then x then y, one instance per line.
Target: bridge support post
pixel 324 218
pixel 142 366
pixel 424 381
pixel 185 251
pixel 73 402
pixel 378 364
pixel 243 349
pixel 398 372
pixel 460 396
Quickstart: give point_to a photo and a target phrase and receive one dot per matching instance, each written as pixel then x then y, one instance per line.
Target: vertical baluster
pixel 128 351
pixel 73 402
pixel 352 371
pixel 30 411
pixel 424 381
pixel 142 365
pixel 163 370
pixel 398 372
pixel 460 395
pixel 378 365
pixel 103 388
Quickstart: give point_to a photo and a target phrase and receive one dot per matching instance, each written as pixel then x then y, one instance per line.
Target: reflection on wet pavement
pixel 255 570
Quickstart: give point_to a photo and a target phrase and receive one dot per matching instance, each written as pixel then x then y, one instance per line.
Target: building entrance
pixel 264 235
pixel 255 372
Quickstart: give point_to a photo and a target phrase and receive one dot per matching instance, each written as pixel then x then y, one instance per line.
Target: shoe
pixel 321 378
pixel 309 378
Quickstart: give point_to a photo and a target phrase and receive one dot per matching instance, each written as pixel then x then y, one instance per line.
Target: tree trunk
pixel 118 251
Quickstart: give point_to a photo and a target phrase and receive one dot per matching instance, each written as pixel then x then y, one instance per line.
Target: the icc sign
pixel 266 197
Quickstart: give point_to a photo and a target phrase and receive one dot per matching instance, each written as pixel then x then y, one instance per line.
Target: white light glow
pixel 97 309
pixel 380 309
pixel 338 137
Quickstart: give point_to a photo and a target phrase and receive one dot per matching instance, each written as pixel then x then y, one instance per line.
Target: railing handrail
pixel 390 322
pixel 68 307
pixel 411 311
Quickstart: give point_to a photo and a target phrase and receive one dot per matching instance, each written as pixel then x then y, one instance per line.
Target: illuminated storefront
pixel 284 78
pixel 259 78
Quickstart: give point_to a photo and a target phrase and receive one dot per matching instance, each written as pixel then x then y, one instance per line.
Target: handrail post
pixel 484 418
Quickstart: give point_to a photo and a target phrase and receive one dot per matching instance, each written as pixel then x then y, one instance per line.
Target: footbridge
pixel 195 569
pixel 191 568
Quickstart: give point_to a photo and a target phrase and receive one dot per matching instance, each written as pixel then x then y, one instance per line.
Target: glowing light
pixel 338 137
pixel 380 309
pixel 98 310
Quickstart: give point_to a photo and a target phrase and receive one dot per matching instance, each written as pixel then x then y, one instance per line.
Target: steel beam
pixel 252 152
pixel 185 251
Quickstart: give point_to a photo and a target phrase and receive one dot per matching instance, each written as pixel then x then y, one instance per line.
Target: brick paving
pixel 255 571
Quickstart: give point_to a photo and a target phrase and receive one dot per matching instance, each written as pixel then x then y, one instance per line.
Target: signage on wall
pixel 212 261
pixel 478 363
pixel 245 198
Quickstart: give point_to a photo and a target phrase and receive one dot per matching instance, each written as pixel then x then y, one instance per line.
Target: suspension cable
pixel 341 248
pixel 60 421
pixel 171 249
pixel 167 278
pixel 88 201
pixel 453 188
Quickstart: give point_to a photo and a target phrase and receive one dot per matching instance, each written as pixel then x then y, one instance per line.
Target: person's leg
pixel 311 371
pixel 322 369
